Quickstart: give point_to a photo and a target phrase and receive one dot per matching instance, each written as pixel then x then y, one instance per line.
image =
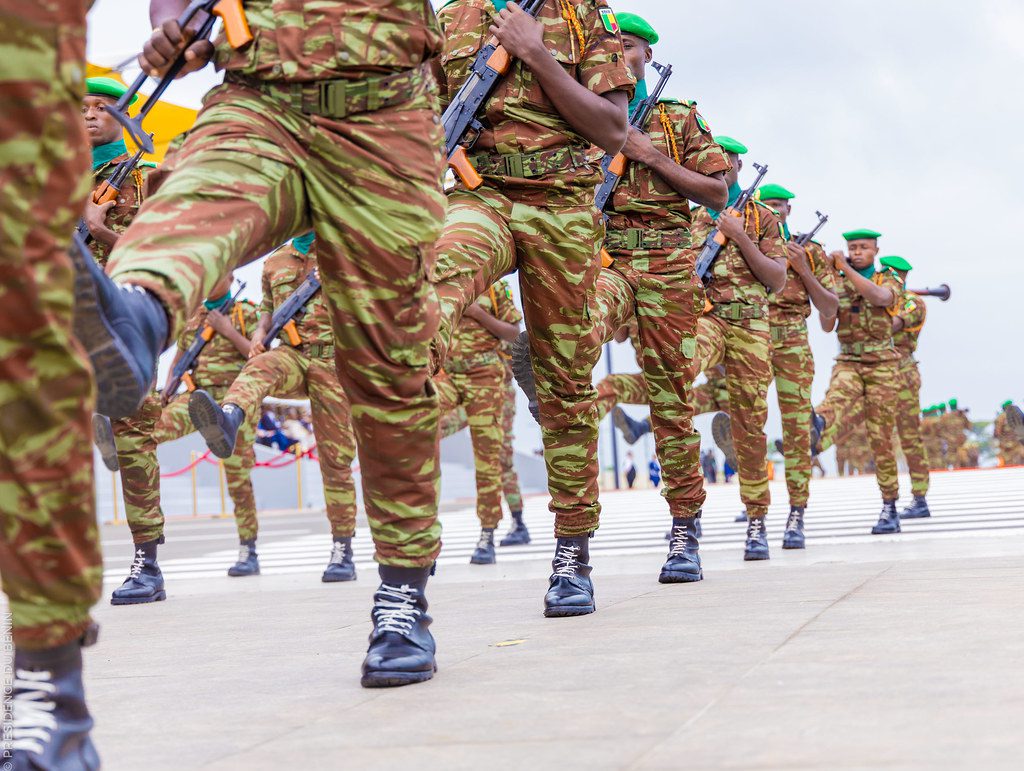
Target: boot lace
pixel 794 521
pixel 486 539
pixel 137 563
pixel 394 609
pixel 243 553
pixel 566 562
pixel 677 545
pixel 755 527
pixel 33 711
pixel 337 554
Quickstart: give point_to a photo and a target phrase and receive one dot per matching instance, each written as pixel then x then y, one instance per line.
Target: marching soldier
pixel 930 438
pixel 954 427
pixel 1011 449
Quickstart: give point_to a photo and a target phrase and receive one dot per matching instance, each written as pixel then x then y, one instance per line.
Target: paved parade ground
pixel 900 651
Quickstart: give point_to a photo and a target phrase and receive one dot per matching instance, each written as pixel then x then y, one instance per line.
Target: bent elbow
pixel 720 200
pixel 615 138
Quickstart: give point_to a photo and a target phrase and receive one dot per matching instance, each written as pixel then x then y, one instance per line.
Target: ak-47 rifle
pixel 182 371
pixel 284 317
pixel 460 119
pixel 805 238
pixel 715 240
pixel 109 188
pixel 236 28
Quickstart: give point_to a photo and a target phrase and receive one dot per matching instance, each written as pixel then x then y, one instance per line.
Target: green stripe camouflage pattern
pixel 251 174
pixel 711 395
pixel 49 549
pixel 1011 449
pixel 126 205
pixel 933 446
pixel 286 371
pixel 620 389
pixel 953 428
pixel 793 367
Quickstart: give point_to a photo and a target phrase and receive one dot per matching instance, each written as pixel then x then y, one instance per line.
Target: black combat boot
pixel 484 552
pixel 145 582
pixel 683 563
pixel 401 648
pixel 741 517
pixel 817 429
pixel 916 510
pixel 793 538
pixel 698 529
pixel 522 370
pixel 756 547
pixel 888 520
pixel 721 432
pixel 248 562
pixel 570 591
pixel 631 429
pixel 51 723
pixel 518 535
pixel 341 567
pixel 123 329
pixel 219 427
pixel 103 438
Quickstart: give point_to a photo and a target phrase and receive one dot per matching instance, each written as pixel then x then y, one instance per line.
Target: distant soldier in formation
pixel 1011 449
pixel 954 428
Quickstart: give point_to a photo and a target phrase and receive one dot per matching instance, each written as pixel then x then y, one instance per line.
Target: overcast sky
pixel 900 115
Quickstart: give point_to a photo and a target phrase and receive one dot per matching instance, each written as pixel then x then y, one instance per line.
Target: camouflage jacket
pixel 220 361
pixel 732 281
pixel 283 271
pixel 470 340
pixel 865 330
pixel 792 304
pixel 299 40
pixel 644 200
pixel 1002 431
pixel 912 310
pixel 121 214
pixel 519 117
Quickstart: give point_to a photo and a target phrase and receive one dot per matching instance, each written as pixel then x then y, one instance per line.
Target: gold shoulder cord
pixel 670 135
pixel 752 207
pixel 574 23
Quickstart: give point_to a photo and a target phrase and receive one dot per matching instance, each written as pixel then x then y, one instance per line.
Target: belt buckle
pixel 330 98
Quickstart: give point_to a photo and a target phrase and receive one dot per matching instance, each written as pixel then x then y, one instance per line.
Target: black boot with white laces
pixel 145 582
pixel 401 648
pixel 51 723
pixel 571 592
pixel 341 567
pixel 683 563
pixel 248 562
pixel 756 547
pixel 793 538
pixel 484 552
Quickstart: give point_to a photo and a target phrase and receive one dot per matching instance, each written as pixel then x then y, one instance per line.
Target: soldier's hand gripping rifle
pixel 182 371
pixel 237 31
pixel 109 189
pixel 284 317
pixel 461 125
pixel 614 166
pixel 805 238
pixel 715 241
pixel 941 291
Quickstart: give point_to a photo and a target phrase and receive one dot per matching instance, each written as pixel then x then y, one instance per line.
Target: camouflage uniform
pixel 138 437
pixel 735 333
pixel 307 371
pixel 49 552
pixel 474 379
pixel 337 134
pixel 932 441
pixel 953 428
pixel 1011 450
pixel 535 212
pixel 620 389
pixel 866 369
pixel 127 203
pixel 652 279
pixel 908 409
pixel 793 369
pixel 711 395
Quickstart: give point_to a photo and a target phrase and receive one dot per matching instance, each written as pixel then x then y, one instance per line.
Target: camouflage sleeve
pixel 771 242
pixel 822 266
pixel 507 310
pixel 891 280
pixel 699 151
pixel 912 310
pixel 189 332
pixel 603 63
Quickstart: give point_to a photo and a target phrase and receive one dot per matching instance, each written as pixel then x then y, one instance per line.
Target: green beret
pixel 631 24
pixel 896 263
pixel 1007 403
pixel 953 403
pixel 940 406
pixel 115 89
pixel 773 192
pixel 731 145
pixel 853 235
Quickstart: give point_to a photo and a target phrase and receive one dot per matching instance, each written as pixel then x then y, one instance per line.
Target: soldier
pixel 930 438
pixel 1015 419
pixel 567 89
pixel 866 368
pixel 49 548
pixel 304 368
pixel 338 134
pixel 475 379
pixel 809 282
pixel 954 427
pixel 1011 450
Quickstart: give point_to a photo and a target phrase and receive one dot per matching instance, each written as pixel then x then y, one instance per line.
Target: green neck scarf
pixel 213 305
pixel 303 243
pixel 784 227
pixel 735 191
pixel 104 154
pixel 867 272
pixel 638 96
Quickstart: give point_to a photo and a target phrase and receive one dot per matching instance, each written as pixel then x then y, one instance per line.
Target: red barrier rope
pixel 281 460
pixel 190 466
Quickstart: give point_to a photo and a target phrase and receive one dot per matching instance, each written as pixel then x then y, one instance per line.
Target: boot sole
pixel 791 545
pixel 395 679
pixel 522 371
pixel 515 543
pixel 103 438
pixel 158 597
pixel 620 419
pixel 482 562
pixel 581 610
pixel 242 575
pixel 120 387
pixel 204 413
pixel 885 532
pixel 331 580
pixel 755 557
pixel 721 432
pixel 680 578
pixel 914 516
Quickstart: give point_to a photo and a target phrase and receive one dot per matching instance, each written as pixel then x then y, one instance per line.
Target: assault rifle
pixel 284 317
pixel 236 28
pixel 460 119
pixel 715 241
pixel 182 371
pixel 109 188
pixel 805 238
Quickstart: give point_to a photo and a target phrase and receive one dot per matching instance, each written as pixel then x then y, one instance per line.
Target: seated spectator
pixel 294 428
pixel 269 433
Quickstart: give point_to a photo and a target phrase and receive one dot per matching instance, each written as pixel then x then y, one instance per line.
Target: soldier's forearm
pixel 825 301
pixel 710 191
pixel 770 272
pixel 162 10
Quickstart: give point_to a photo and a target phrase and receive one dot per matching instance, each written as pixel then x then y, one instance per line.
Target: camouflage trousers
pixel 793 369
pixel 743 347
pixel 454 420
pixel 1011 451
pixel 933 447
pixel 660 290
pixel 487 235
pixel 49 548
pixel 620 389
pixel 137 439
pixel 711 396
pixel 370 186
pixel 288 371
pixel 479 388
pixel 877 387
